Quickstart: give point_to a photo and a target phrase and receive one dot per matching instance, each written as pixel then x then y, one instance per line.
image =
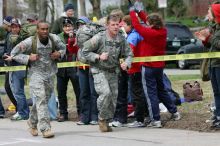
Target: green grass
pixel 183 77
pixel 186 21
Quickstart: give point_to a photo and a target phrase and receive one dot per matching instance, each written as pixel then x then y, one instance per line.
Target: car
pixel 191 48
pixel 178 35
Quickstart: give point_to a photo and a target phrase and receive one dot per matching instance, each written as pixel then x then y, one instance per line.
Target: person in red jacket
pixel 154 37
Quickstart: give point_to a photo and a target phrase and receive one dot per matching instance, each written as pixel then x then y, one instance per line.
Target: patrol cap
pixel 32 16
pixel 67 21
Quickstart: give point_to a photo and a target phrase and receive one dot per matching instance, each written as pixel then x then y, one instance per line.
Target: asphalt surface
pixel 70 134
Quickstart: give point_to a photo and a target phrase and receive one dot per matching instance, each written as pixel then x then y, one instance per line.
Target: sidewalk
pixel 69 134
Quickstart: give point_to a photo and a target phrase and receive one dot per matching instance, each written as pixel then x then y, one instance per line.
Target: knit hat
pixel 83 20
pixel 7 20
pixel 68 6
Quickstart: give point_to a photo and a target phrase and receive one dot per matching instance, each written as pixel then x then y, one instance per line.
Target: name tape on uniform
pixel 135 60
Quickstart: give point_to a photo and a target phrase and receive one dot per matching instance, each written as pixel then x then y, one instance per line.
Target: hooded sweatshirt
pixel 214 38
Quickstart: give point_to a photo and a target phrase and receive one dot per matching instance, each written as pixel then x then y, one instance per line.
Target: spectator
pixel 68 13
pixel 17 78
pixel 152 72
pixel 70 73
pixel 88 95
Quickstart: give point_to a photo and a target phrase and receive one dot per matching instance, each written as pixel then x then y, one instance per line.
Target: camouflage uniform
pixel 42 73
pixel 106 72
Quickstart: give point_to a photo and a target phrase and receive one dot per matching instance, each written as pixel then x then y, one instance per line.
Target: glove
pixel 138 5
pixel 130 6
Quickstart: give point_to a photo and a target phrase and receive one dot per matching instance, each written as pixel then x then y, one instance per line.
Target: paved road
pixel 181 72
pixel 69 134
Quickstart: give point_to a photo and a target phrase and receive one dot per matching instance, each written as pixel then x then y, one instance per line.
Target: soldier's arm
pixel 127 52
pixel 60 45
pixel 90 47
pixel 18 52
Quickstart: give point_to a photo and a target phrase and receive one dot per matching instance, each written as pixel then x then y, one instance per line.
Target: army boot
pixel 103 126
pixel 109 129
pixel 32 130
pixel 47 134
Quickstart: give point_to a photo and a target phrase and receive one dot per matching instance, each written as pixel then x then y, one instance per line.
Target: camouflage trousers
pixel 41 90
pixel 106 86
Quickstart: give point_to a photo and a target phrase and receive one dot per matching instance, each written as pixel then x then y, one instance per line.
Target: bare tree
pixel 52 11
pixel 82 8
pixel 96 8
pixel 43 5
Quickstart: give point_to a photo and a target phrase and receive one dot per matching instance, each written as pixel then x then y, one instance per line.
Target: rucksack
pixel 27 30
pixel 83 34
pixel 192 92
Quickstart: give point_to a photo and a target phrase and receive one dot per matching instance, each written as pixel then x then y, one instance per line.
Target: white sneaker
pixel 136 124
pixel 155 124
pixel 116 124
pixel 176 116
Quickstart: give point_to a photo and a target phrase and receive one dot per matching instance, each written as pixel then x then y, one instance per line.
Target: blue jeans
pixel 155 92
pixel 52 105
pixel 17 82
pixel 214 73
pixel 88 97
pixel 2 110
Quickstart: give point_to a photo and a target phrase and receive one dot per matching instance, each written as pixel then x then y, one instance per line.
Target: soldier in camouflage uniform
pixel 42 71
pixel 103 51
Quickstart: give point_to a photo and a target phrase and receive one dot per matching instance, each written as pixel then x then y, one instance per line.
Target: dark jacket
pixel 57 27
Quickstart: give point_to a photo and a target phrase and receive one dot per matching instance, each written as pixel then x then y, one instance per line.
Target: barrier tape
pixel 135 59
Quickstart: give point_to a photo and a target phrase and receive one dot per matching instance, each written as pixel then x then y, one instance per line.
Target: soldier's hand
pixel 124 66
pixel 103 56
pixel 33 57
pixel 7 57
pixel 55 55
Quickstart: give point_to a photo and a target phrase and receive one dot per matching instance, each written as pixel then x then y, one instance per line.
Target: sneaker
pixel 136 124
pixel 147 120
pixel 80 123
pixel 115 124
pixel 47 134
pixel 17 117
pixel 33 130
pixel 175 116
pixel 93 123
pixel 211 119
pixel 155 124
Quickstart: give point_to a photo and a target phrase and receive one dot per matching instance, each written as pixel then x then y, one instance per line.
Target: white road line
pixel 19 140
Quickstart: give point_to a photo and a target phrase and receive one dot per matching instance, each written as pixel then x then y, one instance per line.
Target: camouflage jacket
pixel 44 67
pixel 116 48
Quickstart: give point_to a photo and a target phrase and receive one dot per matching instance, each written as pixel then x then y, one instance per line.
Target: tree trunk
pixel 96 8
pixel 82 8
pixel 4 8
pixel 43 9
pixel 52 11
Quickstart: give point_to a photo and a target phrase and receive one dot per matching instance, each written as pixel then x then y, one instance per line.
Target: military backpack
pixel 85 33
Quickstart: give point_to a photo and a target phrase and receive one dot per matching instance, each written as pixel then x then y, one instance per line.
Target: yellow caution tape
pixel 135 59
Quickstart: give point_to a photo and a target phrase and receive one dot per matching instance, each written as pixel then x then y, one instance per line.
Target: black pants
pixel 139 99
pixel 8 90
pixel 62 83
pixel 121 107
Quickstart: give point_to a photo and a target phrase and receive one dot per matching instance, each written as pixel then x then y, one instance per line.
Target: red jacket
pixel 154 40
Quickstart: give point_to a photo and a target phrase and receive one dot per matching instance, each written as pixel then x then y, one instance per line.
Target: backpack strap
pixel 34 45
